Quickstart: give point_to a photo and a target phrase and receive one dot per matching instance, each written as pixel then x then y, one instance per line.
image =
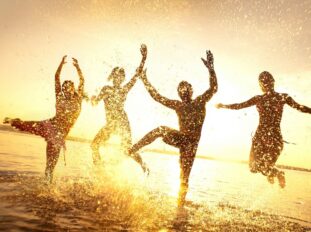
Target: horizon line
pixel 8 128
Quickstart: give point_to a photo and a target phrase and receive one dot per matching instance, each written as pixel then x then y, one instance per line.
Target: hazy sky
pixel 246 37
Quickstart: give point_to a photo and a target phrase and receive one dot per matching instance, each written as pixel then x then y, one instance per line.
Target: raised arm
pixel 156 96
pixel 209 63
pixel 291 102
pixel 130 84
pixel 81 82
pixel 237 106
pixel 58 88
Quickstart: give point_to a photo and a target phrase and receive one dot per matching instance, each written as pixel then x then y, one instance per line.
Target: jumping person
pixel 56 129
pixel 191 115
pixel 116 118
pixel 268 141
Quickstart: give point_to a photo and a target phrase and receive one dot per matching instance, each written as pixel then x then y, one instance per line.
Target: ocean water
pixel 117 196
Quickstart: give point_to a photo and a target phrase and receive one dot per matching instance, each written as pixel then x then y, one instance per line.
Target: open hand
pixel 93 100
pixel 64 60
pixel 219 105
pixel 75 62
pixel 209 62
pixel 143 50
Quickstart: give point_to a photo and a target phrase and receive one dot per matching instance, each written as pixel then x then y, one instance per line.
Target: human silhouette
pixel 117 121
pixel 56 129
pixel 191 115
pixel 267 142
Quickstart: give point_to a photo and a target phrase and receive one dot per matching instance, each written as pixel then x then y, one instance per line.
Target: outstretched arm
pixel 156 96
pixel 130 84
pixel 238 106
pixel 100 96
pixel 81 83
pixel 58 88
pixel 209 63
pixel 291 102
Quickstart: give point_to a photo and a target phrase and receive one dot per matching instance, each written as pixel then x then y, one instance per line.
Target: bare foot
pixel 145 169
pixel 7 120
pixel 270 179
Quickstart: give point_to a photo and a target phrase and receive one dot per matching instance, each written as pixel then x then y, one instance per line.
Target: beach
pixel 117 196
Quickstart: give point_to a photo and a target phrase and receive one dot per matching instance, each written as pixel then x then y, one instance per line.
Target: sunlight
pixel 172 180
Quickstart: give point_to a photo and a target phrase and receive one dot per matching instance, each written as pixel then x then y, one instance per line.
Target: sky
pixel 246 38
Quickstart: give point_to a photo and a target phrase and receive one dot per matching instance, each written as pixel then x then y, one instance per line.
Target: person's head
pixel 185 91
pixel 117 76
pixel 266 82
pixel 68 88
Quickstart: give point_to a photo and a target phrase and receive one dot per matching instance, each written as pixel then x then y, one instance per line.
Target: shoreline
pixel 8 128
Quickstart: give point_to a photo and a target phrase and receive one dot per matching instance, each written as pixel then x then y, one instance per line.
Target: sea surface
pixel 118 196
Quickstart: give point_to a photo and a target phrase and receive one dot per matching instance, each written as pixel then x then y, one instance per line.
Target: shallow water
pixel 117 196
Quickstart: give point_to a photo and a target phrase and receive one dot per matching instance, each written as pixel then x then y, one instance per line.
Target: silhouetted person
pixel 56 129
pixel 116 118
pixel 191 115
pixel 268 141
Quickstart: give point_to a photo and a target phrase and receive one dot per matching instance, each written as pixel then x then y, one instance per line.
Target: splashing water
pixel 115 196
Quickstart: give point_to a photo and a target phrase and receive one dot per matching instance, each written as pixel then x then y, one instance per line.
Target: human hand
pixel 93 100
pixel 64 59
pixel 219 106
pixel 143 50
pixel 209 62
pixel 75 62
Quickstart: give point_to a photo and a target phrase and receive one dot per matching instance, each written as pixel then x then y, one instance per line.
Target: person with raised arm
pixel 267 142
pixel 56 129
pixel 114 98
pixel 191 115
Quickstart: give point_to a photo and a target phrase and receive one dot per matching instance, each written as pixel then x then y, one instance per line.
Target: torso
pixel 191 118
pixel 270 108
pixel 67 112
pixel 114 104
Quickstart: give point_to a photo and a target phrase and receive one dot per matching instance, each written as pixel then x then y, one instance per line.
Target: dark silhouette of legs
pixel 184 183
pixel 102 136
pixel 126 144
pixel 187 147
pixel 263 158
pixel 52 155
pixel 187 155
pixel 46 130
pixel 33 127
pixel 162 131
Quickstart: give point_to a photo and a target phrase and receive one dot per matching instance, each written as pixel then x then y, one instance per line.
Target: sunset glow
pixel 105 34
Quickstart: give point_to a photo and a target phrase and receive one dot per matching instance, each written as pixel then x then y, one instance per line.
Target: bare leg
pixel 102 136
pixel 8 120
pixel 252 161
pixel 263 161
pixel 52 154
pixel 268 169
pixel 33 127
pixel 149 138
pixel 187 155
pixel 184 180
pixel 126 144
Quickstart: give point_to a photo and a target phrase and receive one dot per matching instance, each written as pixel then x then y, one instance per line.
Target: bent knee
pixel 163 129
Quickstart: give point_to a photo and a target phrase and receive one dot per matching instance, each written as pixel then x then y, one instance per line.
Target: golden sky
pixel 246 37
